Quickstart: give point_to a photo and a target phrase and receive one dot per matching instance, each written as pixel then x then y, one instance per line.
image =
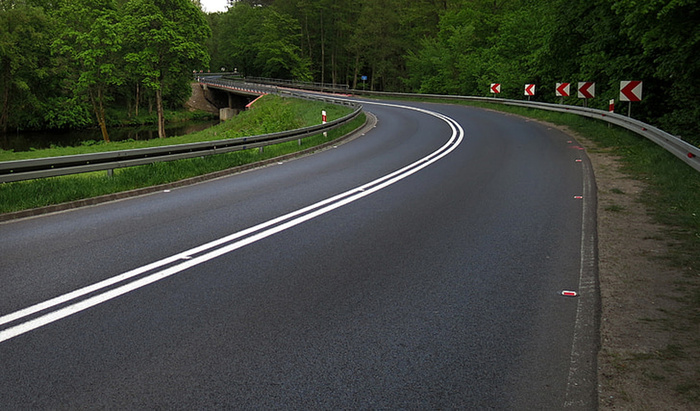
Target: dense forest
pixel 67 63
pixel 462 46
pixel 62 60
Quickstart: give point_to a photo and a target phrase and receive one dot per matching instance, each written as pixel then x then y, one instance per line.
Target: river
pixel 28 140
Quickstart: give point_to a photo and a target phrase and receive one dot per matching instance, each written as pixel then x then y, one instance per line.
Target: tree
pixel 166 42
pixel 278 53
pixel 668 39
pixel 23 47
pixel 260 41
pixel 89 39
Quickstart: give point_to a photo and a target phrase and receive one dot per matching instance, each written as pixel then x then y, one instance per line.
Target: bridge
pixel 229 97
pixel 231 93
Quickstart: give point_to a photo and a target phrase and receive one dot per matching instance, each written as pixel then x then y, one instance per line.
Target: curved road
pixel 419 266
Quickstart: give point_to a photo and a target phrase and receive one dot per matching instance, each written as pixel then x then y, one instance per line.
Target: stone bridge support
pixel 228 103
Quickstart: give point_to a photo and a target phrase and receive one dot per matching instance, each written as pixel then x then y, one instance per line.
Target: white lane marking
pixel 580 386
pixel 295 218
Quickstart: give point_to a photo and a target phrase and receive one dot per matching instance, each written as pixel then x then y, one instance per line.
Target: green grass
pixel 270 114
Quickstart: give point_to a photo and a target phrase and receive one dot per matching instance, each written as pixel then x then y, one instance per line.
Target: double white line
pixel 41 314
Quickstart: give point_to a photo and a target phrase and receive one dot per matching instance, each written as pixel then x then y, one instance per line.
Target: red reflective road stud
pixel 578 197
pixel 567 293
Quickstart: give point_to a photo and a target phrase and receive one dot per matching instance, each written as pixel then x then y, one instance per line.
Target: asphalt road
pixel 420 266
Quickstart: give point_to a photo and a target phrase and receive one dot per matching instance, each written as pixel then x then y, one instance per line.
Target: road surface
pixel 420 266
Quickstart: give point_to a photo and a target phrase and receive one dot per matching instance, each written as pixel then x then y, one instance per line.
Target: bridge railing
pixel 57 166
pixel 306 85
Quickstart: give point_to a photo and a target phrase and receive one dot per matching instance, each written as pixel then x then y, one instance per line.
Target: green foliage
pixel 89 41
pixel 461 46
pixel 63 63
pixel 23 47
pixel 260 41
pixel 166 40
pixel 138 51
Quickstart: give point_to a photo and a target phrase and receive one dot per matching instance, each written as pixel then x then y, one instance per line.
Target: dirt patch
pixel 650 350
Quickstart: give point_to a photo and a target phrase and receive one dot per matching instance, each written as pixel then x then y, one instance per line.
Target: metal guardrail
pixel 238 86
pixel 57 166
pixel 685 151
pixel 306 85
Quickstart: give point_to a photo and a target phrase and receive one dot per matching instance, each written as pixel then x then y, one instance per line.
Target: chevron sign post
pixel 630 91
pixel 529 90
pixel 586 90
pixel 563 89
pixel 495 88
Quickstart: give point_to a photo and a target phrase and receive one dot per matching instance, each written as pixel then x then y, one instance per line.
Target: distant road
pixel 420 266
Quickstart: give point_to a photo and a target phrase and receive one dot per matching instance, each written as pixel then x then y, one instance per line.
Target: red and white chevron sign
pixel 630 91
pixel 563 89
pixel 529 89
pixel 586 89
pixel 495 88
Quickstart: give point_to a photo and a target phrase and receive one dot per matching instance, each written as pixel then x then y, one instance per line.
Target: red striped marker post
pixel 323 121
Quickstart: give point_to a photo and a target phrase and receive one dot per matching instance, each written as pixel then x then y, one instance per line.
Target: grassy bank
pixel 269 114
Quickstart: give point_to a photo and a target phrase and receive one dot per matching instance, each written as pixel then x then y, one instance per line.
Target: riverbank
pixel 270 114
pixel 196 114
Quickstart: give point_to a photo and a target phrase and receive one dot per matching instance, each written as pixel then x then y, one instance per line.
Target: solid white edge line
pixel 188 253
pixel 329 204
pixel 581 381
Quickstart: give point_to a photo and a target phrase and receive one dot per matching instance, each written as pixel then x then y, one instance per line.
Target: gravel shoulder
pixel 650 346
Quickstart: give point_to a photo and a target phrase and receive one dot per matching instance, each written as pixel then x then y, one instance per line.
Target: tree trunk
pixel 138 98
pixel 323 52
pixel 161 114
pixel 334 69
pixel 5 114
pixel 357 69
pixel 4 118
pixel 98 107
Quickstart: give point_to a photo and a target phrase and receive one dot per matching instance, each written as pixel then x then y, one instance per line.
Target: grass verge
pixel 270 114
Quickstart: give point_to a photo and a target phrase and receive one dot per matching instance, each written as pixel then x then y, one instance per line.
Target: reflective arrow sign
pixel 495 88
pixel 630 91
pixel 586 89
pixel 563 89
pixel 529 89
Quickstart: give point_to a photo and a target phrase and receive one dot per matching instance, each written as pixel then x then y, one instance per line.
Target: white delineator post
pixel 323 121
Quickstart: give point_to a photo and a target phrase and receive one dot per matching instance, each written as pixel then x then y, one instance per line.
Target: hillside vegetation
pixel 462 46
pixel 63 61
